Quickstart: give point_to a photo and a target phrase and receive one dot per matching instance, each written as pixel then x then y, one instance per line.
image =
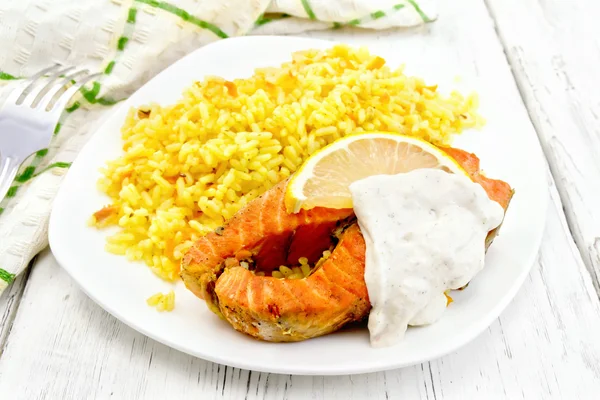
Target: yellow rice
pixel 162 302
pixel 188 167
pixel 299 271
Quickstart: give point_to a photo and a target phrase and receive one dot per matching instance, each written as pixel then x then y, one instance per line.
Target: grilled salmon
pixel 260 234
pixel 221 267
pixel 285 310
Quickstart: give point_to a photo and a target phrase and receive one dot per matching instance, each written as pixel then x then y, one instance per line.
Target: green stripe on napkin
pixel 29 173
pixel 122 43
pixel 90 95
pixel 186 16
pixel 109 67
pixel 12 191
pixel 73 107
pixel 58 164
pixel 6 77
pixel 131 15
pixel 419 11
pixel 308 9
pixel 6 276
pixel 26 175
pixel 263 19
pixel 371 17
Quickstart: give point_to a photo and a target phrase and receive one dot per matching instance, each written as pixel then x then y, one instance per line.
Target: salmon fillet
pixel 262 230
pixel 286 310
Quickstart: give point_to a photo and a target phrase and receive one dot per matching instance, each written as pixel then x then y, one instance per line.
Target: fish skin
pixel 497 190
pixel 286 310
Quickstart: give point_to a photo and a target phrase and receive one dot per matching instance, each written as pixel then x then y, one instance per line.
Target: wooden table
pixel 55 343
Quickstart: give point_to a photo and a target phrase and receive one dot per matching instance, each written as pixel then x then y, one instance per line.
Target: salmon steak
pixel 230 268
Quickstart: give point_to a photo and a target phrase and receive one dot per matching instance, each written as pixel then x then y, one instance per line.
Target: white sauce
pixel 425 233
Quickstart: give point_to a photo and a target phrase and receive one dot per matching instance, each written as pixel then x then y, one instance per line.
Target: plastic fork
pixel 30 114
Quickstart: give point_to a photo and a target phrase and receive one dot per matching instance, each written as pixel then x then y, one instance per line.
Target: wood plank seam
pixel 562 190
pixel 13 306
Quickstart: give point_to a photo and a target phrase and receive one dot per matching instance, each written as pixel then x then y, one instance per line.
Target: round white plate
pixel 121 287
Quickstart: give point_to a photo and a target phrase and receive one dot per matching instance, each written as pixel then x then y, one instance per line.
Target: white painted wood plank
pixel 554 49
pixel 9 303
pixel 544 346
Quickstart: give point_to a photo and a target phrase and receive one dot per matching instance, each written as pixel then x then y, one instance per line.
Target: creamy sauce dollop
pixel 425 234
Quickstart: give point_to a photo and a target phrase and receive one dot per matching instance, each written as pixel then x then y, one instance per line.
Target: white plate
pixel 121 287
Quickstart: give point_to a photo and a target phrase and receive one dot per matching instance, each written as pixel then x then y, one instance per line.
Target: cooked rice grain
pixel 162 302
pixel 190 166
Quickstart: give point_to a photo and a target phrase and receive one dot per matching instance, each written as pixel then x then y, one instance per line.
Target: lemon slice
pixel 324 178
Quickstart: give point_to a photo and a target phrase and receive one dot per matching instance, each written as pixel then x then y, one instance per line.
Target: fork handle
pixel 8 170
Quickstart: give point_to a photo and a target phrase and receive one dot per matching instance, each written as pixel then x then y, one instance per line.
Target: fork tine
pixel 34 96
pixel 15 93
pixel 49 95
pixel 64 98
pixel 43 72
pixel 21 88
pixel 29 83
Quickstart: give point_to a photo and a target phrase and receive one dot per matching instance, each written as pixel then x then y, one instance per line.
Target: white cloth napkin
pixel 130 41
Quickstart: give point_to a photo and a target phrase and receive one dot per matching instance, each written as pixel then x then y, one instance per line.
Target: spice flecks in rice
pixel 190 166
